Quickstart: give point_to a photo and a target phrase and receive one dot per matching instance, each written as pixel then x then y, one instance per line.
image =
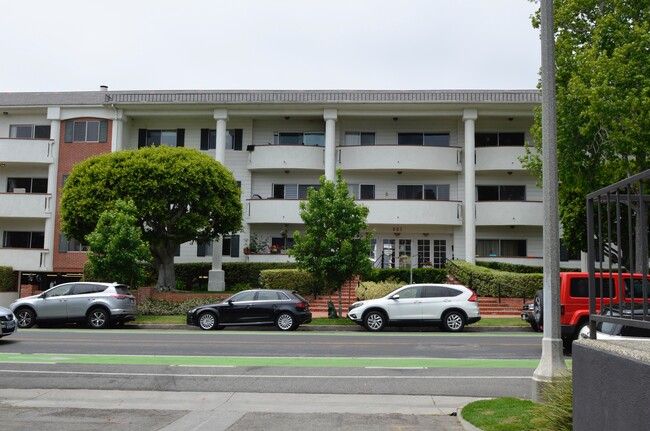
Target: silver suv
pixel 98 304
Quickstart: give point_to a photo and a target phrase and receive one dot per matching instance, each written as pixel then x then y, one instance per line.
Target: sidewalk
pixel 202 411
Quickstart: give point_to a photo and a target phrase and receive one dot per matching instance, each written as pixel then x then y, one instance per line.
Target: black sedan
pixel 282 308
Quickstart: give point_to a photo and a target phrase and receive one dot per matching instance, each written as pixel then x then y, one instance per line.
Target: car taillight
pixel 302 304
pixel 120 296
pixel 473 298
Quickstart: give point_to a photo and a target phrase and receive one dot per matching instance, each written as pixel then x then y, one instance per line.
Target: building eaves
pixel 239 97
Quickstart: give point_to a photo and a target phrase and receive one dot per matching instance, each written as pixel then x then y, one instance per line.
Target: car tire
pixel 25 317
pixel 286 322
pixel 534 326
pixel 98 318
pixel 374 321
pixel 538 309
pixel 207 321
pixel 453 321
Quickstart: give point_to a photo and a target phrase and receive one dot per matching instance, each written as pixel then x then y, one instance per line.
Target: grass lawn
pixel 502 414
pixel 180 320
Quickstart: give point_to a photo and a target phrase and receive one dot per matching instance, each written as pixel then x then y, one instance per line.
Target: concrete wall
pixel 611 385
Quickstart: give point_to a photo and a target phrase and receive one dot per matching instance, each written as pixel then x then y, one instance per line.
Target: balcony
pixel 30 205
pixel 399 158
pixel 509 213
pixel 272 211
pixel 26 150
pixel 25 259
pixel 499 158
pixel 286 157
pixel 414 212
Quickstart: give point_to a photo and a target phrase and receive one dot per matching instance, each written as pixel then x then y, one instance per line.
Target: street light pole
pixel 552 362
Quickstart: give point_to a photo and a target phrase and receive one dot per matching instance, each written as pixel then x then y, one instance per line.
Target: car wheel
pixel 538 308
pixel 285 322
pixel 98 318
pixel 534 326
pixel 208 321
pixel 374 321
pixel 26 318
pixel 453 321
pixel 583 331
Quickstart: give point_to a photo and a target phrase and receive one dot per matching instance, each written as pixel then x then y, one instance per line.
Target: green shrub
pixel 8 280
pixel 555 413
pixel 486 282
pixel 403 275
pixel 372 290
pixel 161 307
pixel 290 279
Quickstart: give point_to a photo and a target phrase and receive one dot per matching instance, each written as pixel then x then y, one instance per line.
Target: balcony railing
pixel 509 213
pixel 286 157
pixel 389 211
pixel 399 158
pixel 32 205
pixel 26 150
pixel 25 259
pixel 499 158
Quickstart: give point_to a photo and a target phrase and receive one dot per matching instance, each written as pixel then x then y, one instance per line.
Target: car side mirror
pixel 395 296
pixel 42 295
pixel 230 302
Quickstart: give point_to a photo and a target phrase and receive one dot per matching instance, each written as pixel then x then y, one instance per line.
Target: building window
pixel 70 244
pixel 229 246
pixel 29 131
pixel 292 191
pixel 437 192
pixel 427 139
pixel 499 139
pixel 158 137
pixel 439 253
pixel 282 243
pixel 316 139
pixel 233 139
pixel 13 239
pixel 86 131
pixel 501 247
pixel 362 191
pixel 500 193
pixel 26 185
pixel 359 138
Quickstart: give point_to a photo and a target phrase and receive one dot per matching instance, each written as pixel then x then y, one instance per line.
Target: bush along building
pixel 438 170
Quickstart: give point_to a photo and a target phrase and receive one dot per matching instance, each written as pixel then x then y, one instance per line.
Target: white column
pixel 54 115
pixel 116 132
pixel 217 276
pixel 469 117
pixel 330 117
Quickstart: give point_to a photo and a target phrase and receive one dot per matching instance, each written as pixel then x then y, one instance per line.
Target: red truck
pixel 574 300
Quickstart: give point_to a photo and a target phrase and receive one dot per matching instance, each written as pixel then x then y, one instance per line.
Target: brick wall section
pixel 29 290
pixel 71 153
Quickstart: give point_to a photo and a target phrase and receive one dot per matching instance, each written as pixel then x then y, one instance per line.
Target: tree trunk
pixel 163 255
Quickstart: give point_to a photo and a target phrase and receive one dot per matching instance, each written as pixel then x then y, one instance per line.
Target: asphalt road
pixel 395 363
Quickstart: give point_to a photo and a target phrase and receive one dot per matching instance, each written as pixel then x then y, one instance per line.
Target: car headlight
pixel 356 305
pixel 192 311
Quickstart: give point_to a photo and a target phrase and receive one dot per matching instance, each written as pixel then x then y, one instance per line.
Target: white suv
pixel 98 304
pixel 450 306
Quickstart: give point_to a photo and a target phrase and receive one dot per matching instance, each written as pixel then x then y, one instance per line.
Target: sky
pixel 78 45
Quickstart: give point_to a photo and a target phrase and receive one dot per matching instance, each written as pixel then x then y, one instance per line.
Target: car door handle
pixel 248 307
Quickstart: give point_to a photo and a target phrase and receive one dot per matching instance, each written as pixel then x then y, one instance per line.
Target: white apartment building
pixel 439 170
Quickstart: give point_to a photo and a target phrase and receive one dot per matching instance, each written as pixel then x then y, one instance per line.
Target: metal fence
pixel 617 233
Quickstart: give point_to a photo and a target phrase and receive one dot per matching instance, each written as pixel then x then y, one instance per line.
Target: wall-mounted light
pixel 287 118
pixel 399 172
pixel 509 172
pixel 286 172
pixel 395 118
pixel 425 234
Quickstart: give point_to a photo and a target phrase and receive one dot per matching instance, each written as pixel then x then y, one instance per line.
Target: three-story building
pixel 440 171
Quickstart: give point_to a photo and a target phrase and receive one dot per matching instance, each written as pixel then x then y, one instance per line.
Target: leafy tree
pixel 117 250
pixel 180 194
pixel 603 102
pixel 332 247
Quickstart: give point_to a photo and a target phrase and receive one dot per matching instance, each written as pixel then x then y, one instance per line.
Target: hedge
pixel 522 269
pixel 371 290
pixel 8 281
pixel 403 275
pixel 290 279
pixel 486 281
